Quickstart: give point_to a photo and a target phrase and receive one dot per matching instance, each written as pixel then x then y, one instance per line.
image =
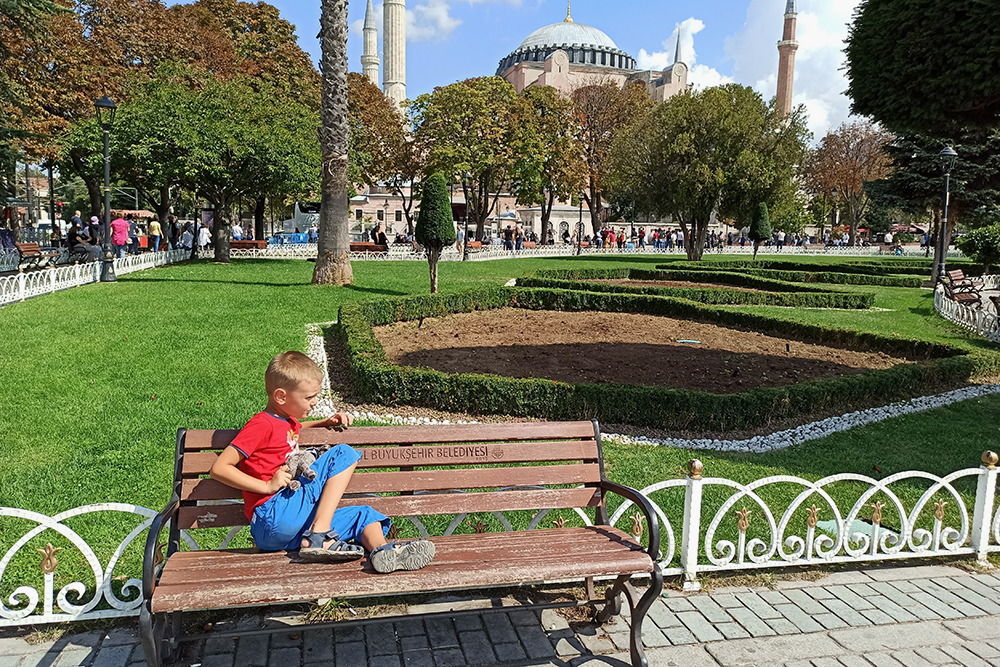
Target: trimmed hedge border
pixel 786 294
pixel 377 380
pixel 795 276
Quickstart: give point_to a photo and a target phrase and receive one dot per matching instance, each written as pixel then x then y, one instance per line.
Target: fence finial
pixel 695 467
pixel 990 460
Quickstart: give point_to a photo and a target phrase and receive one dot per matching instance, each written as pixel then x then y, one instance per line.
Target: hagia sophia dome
pixel 584 44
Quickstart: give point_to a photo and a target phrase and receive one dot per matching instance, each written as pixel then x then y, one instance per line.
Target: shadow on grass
pixel 374 290
pixel 226 281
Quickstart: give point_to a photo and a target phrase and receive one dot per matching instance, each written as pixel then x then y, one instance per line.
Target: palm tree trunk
pixel 333 265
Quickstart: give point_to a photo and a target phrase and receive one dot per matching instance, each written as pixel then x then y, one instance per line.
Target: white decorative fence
pixel 9 259
pixel 21 286
pixel 723 526
pixel 978 320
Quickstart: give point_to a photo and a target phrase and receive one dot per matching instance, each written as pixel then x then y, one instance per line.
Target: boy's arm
pixel 339 421
pixel 224 470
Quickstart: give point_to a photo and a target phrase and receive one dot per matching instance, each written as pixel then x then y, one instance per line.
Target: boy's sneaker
pixel 411 555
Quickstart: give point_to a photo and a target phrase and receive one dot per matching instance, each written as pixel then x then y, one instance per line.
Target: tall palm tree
pixel 333 265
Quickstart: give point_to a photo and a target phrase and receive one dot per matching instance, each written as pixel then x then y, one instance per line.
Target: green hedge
pixel 795 276
pixel 859 267
pixel 376 380
pixel 812 299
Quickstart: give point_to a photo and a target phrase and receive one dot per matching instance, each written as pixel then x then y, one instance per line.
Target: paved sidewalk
pixel 909 616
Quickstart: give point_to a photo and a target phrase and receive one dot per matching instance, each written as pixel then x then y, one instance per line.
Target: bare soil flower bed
pixel 624 348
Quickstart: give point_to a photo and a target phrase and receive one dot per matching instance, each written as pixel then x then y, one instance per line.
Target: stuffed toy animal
pixel 299 465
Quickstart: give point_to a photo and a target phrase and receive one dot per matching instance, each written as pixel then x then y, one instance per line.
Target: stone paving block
pixel 73 657
pixel 677 636
pixel 381 639
pixel 286 656
pixel 523 617
pixel 799 663
pixel 379 661
pixel 622 640
pixel 933 655
pixel 536 644
pixel 864 590
pixel 477 648
pixel 896 573
pixel 222 660
pixel 905 587
pixel 923 613
pixel 568 647
pixel 898 614
pixel 782 626
pixel 772 650
pixel 678 604
pixel 820 594
pixel 805 602
pixel 889 591
pixel 317 646
pixel 85 640
pixel 905 636
pixel 845 612
pixel 910 658
pixel 286 639
pixel 942 594
pixel 825 662
pixel 931 602
pixel 448 657
pixel 732 630
pixel 418 658
pixel 853 600
pixel 726 600
pixel 414 643
pixel 349 654
pixel 964 657
pixel 441 633
pixel 349 634
pixel 975 629
pixel 967 608
pixel 597 644
pixel 652 636
pixel 553 621
pixel 710 609
pixel 662 616
pixel 218 644
pixel 509 652
pixel 468 623
pixel 773 597
pixel 409 627
pixel 853 661
pixel 977 588
pixel 754 625
pixel 882 660
pixel 799 618
pixel 984 651
pixel 10 660
pixel 699 626
pixel 119 636
pixel 17 646
pixel 830 621
pixel 675 656
pixel 757 605
pixel 40 659
pixel 113 656
pixel 500 629
pixel 877 617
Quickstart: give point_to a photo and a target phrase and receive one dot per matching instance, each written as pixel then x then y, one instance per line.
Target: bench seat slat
pixel 208 516
pixel 463 561
pixel 198 440
pixel 427 480
pixel 200 462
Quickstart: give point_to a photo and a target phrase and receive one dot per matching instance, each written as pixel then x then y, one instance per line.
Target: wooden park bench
pixel 475 244
pixel 960 283
pixel 367 247
pixel 519 468
pixel 32 256
pixel 972 299
pixel 995 300
pixel 248 244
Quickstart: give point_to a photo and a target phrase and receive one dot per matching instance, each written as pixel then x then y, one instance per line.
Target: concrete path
pixel 909 616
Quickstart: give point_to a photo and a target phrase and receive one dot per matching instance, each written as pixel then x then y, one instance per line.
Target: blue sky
pixel 724 40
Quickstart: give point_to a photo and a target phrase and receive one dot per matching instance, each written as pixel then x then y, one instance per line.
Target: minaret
pixel 369 60
pixel 677 52
pixel 786 61
pixel 394 49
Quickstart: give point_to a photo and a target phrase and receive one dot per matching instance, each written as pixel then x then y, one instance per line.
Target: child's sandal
pixel 338 552
pixel 410 555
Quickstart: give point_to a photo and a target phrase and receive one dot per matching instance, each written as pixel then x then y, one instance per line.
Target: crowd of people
pixel 85 237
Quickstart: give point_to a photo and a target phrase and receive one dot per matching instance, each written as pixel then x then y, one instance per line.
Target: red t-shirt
pixel 266 442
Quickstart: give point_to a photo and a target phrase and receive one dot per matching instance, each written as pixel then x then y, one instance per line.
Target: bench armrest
pixel 647 508
pixel 148 568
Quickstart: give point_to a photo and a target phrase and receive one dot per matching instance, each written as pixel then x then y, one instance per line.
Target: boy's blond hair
pixel 288 369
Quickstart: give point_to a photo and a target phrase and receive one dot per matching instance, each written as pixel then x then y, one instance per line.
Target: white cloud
pixel 700 76
pixel 424 23
pixel 819 81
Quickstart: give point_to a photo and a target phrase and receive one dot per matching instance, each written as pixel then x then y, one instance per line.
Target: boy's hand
pixel 279 480
pixel 338 422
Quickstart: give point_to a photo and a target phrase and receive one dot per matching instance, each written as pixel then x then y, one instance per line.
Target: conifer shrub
pixel 760 228
pixel 435 226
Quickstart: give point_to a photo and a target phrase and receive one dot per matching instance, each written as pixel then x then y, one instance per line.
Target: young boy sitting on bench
pixel 308 518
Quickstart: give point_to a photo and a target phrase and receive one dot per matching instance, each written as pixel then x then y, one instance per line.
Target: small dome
pixel 561 33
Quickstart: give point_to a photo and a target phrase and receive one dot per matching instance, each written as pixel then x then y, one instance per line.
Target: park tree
pixel 561 170
pixel 435 226
pixel 382 151
pixel 760 228
pixel 983 246
pixel 717 151
pixel 333 264
pixel 477 130
pixel 602 113
pixel 926 67
pixel 848 158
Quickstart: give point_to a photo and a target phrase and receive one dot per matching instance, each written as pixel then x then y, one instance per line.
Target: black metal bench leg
pixel 639 609
pixel 151 635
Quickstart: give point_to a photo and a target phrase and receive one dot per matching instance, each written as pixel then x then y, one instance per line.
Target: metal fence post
pixel 22 286
pixel 691 532
pixel 983 515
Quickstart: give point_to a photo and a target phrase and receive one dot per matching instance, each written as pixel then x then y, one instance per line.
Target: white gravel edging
pixel 755 445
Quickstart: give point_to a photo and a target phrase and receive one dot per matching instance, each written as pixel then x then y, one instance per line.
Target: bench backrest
pixel 29 248
pixel 956 276
pixel 500 467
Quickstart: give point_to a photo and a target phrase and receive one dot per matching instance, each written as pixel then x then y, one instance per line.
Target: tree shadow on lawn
pixel 255 283
pixel 375 290
pixel 663 365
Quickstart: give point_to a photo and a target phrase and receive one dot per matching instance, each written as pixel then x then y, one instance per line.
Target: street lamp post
pixel 106 111
pixel 195 224
pixel 950 156
pixel 468 180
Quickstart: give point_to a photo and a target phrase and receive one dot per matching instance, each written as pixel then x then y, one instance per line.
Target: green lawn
pixel 96 380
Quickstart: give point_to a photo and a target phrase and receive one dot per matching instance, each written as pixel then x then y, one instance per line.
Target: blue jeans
pixel 133 246
pixel 154 244
pixel 120 250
